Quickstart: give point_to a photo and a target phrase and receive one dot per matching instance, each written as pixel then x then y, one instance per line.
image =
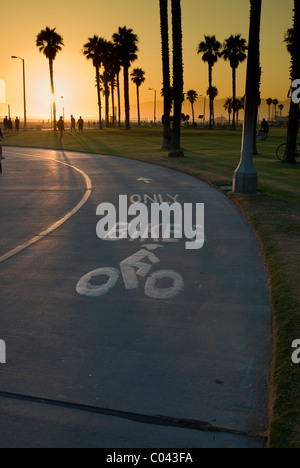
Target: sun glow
pixel 42 96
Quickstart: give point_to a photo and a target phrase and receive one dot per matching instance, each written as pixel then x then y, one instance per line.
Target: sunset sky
pixel 77 20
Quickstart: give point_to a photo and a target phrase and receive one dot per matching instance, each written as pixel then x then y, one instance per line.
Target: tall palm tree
pixel 275 103
pixel 212 93
pixel 106 59
pixel 192 97
pixel 269 103
pixel 293 125
pixel 138 78
pixel 115 69
pixel 245 178
pixel 228 105
pixel 234 50
pixel 176 150
pixel 166 92
pixel 126 42
pixel 49 42
pixel 93 51
pixel 210 49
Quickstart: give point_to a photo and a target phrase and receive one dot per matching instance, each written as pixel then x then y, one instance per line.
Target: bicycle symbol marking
pixel 132 268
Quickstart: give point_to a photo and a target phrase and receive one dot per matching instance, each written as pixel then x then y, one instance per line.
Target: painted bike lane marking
pixel 56 224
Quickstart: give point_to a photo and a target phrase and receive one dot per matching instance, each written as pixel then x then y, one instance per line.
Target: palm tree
pixel 293 125
pixel 212 93
pixel 176 150
pixel 107 59
pixel 275 103
pixel 211 50
pixel 115 69
pixel 167 93
pixel 126 42
pixel 192 97
pixel 138 78
pixel 269 103
pixel 228 105
pixel 93 50
pixel 234 50
pixel 245 178
pixel 50 43
pixel 281 107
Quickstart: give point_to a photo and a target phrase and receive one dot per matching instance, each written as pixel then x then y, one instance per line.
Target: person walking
pixel 61 127
pixel 17 125
pixel 80 124
pixel 265 128
pixel 73 125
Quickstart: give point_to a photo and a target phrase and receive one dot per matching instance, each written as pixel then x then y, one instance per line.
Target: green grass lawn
pixel 212 156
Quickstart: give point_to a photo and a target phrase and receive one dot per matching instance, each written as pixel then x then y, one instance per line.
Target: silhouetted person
pixel 17 125
pixel 61 127
pixel 80 124
pixel 10 125
pixel 5 123
pixel 265 127
pixel 73 124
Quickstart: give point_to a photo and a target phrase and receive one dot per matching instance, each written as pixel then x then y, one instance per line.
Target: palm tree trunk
pixel 164 25
pixel 210 97
pixel 176 150
pixel 245 177
pixel 126 98
pixel 52 92
pixel 113 102
pixel 119 100
pixel 138 105
pixel 99 96
pixel 293 125
pixel 193 113
pixel 233 97
pixel 106 92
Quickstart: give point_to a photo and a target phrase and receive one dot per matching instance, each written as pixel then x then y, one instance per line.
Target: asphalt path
pixel 124 369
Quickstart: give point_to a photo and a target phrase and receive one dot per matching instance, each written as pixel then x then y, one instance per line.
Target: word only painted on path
pixel 157 220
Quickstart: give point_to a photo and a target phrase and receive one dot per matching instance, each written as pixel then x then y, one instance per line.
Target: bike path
pixel 204 355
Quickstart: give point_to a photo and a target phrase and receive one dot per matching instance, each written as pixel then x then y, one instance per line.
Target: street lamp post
pixel 24 91
pixel 152 89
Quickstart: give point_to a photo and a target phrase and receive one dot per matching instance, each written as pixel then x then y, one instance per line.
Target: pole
pixel 24 90
pixel 155 107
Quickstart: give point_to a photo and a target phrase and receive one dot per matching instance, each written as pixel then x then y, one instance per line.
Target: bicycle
pixel 131 268
pixel 280 152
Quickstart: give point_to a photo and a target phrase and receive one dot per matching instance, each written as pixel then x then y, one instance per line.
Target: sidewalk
pixel 140 367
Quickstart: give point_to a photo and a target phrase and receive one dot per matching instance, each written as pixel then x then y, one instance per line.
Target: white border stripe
pixel 58 223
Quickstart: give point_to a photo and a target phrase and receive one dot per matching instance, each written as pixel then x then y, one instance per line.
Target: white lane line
pixel 58 223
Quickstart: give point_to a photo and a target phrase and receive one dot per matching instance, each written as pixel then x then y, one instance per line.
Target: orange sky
pixel 77 20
